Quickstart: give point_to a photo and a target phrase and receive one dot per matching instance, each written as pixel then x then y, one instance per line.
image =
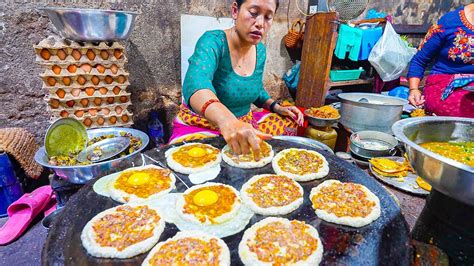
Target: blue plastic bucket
pixel 10 187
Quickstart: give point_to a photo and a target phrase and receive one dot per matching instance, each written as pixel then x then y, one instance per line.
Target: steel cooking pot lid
pixel 103 149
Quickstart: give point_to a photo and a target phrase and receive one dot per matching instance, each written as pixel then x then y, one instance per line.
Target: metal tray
pixel 408 185
pixel 381 242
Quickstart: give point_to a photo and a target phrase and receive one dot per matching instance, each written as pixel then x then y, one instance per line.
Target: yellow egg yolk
pixel 205 198
pixel 138 179
pixel 196 152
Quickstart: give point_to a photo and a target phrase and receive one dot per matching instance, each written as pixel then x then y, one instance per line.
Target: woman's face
pixel 253 19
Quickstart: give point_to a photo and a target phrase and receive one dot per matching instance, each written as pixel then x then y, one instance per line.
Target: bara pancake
pixel 122 232
pixel 279 241
pixel 140 184
pixel 300 164
pixel 272 194
pixel 189 248
pixel 345 203
pixel 248 160
pixel 192 158
pixel 209 203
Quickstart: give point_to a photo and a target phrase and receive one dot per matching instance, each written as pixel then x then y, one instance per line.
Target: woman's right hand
pixel 416 98
pixel 242 137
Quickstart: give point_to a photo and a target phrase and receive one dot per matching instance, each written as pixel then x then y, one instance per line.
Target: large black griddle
pixel 385 241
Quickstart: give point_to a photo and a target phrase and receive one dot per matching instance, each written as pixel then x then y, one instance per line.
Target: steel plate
pixel 408 185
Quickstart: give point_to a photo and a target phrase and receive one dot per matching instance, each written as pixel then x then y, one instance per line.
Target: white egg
pixel 206 175
pixel 166 206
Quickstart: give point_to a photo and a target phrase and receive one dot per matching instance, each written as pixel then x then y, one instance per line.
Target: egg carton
pixel 55 49
pixel 83 69
pixel 104 110
pixel 56 103
pixel 68 93
pixel 79 81
pixel 93 72
pixel 92 113
pixel 124 120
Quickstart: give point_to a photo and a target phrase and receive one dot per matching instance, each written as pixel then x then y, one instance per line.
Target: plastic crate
pixel 340 75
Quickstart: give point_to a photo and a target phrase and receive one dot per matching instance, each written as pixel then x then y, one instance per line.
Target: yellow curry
pixel 462 152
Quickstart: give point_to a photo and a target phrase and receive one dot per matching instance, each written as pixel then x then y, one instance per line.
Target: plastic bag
pixel 391 55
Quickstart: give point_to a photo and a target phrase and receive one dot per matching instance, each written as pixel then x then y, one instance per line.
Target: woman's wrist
pixel 274 106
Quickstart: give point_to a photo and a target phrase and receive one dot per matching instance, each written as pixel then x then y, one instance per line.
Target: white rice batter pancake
pixel 139 184
pixel 272 194
pixel 279 241
pixel 123 231
pixel 247 160
pixel 209 203
pixel 300 164
pixel 167 206
pixel 192 158
pixel 189 248
pixel 345 203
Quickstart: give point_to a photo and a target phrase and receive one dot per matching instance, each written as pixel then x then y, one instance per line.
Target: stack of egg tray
pixel 86 81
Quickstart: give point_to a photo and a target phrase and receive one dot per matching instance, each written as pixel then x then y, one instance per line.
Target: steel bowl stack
pixel 92 24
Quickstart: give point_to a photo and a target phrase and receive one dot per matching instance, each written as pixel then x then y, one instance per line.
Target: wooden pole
pixel 318 48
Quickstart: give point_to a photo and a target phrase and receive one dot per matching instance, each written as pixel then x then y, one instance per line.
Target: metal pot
pixel 362 144
pixel 370 111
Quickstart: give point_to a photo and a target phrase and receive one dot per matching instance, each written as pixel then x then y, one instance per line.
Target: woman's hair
pixel 240 2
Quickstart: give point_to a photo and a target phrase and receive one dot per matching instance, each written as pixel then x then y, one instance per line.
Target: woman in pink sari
pixel 449 87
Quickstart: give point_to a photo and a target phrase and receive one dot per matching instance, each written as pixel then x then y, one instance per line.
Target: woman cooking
pixel 450 43
pixel 225 77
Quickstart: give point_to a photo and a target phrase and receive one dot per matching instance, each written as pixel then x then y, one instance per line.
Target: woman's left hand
pixel 291 111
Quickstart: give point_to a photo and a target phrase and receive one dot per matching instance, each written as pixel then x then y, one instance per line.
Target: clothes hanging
pixel 349 40
pixel 369 39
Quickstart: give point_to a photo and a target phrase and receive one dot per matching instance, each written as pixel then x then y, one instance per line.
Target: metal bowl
pixel 80 174
pixel 320 122
pixel 358 148
pixel 91 24
pixel 450 177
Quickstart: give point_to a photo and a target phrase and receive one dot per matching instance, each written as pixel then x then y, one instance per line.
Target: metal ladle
pixel 103 149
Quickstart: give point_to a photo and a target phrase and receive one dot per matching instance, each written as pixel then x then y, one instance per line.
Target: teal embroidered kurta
pixel 210 67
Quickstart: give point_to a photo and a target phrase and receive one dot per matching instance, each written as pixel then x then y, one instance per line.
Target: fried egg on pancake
pixel 272 194
pixel 300 164
pixel 166 205
pixel 192 158
pixel 123 231
pixel 209 203
pixel 140 184
pixel 345 203
pixel 189 248
pixel 279 241
pixel 248 160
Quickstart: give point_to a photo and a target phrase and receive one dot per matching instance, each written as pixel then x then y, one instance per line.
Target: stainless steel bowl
pixel 80 174
pixel 91 24
pixel 320 122
pixel 370 111
pixel 358 148
pixel 450 177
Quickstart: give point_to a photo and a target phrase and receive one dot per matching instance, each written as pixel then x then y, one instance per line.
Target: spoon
pixel 103 149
